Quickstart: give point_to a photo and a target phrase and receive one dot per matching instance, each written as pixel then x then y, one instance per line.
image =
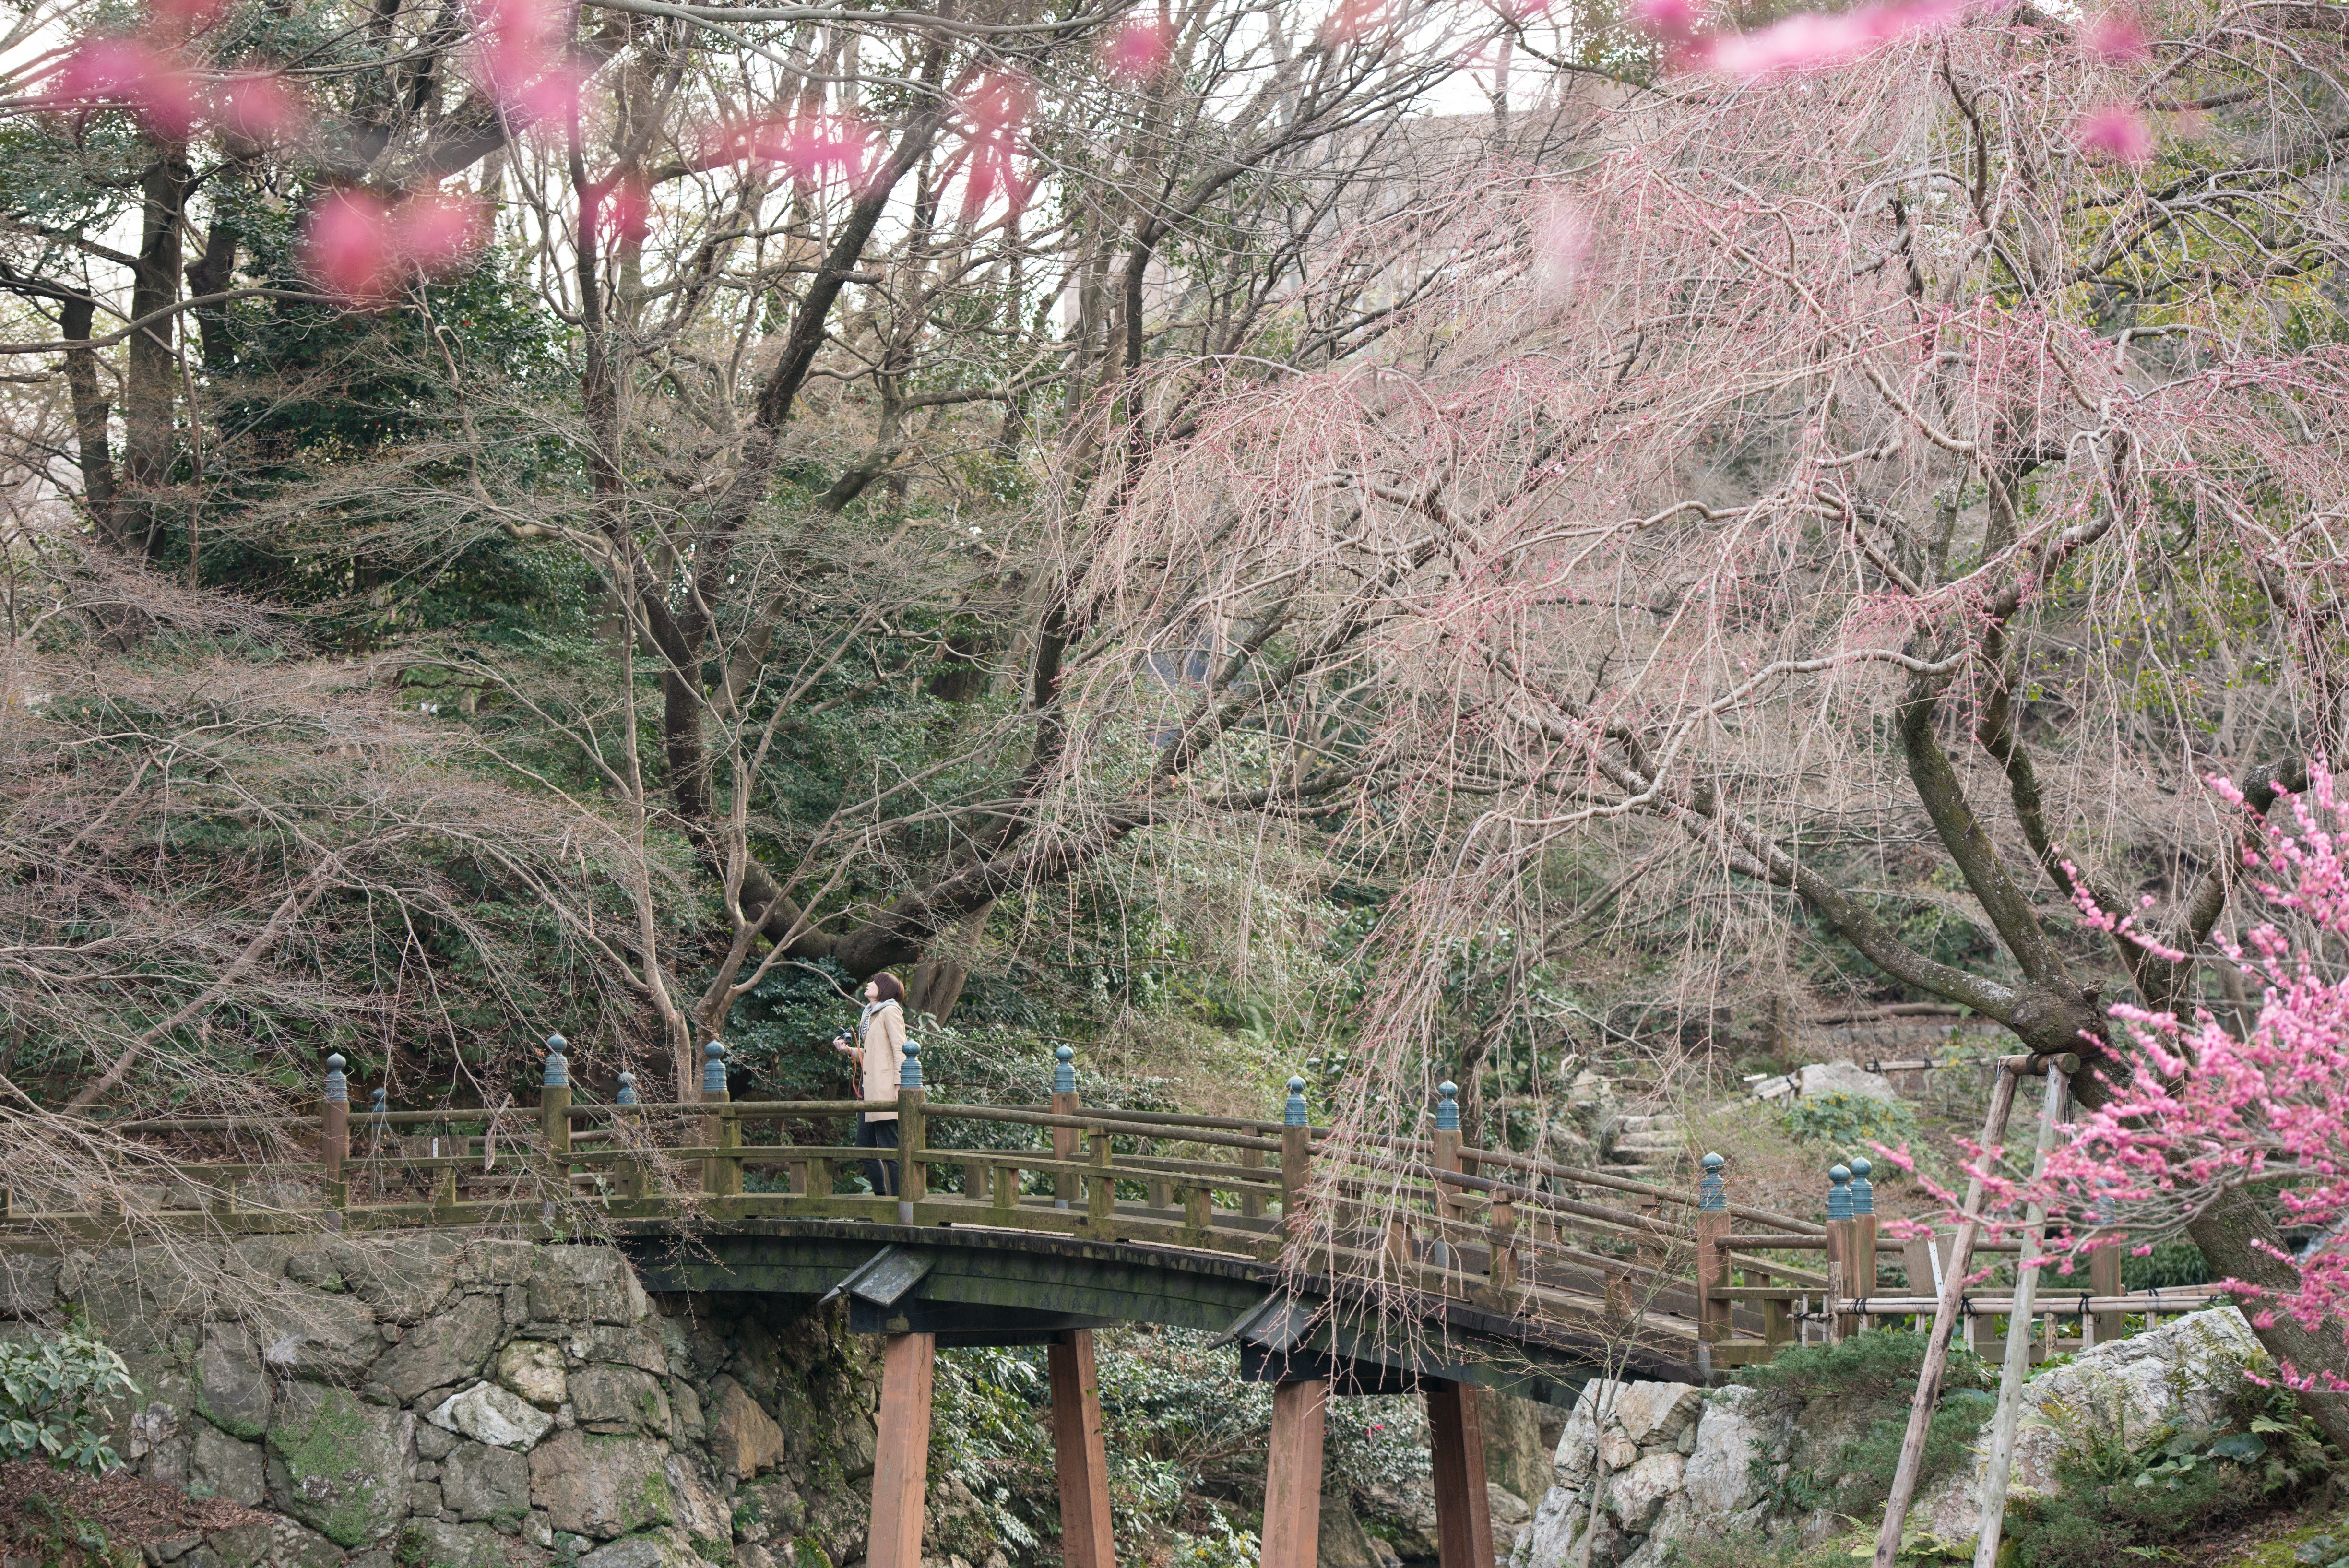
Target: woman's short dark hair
pixel 892 989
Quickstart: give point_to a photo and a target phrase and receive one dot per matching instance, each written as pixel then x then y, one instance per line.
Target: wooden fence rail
pixel 1513 1232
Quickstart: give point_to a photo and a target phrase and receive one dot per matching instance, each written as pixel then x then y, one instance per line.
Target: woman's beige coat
pixel 881 1035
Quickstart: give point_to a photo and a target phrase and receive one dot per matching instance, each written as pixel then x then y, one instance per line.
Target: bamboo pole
pixel 1937 1343
pixel 2018 1340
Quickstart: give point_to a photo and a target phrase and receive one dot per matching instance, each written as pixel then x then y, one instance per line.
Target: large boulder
pixel 743 1439
pixel 601 1487
pixel 337 1465
pixel 605 1398
pixel 533 1369
pixel 1656 1413
pixel 585 1284
pixel 480 1482
pixel 434 1543
pixel 1636 1495
pixel 2178 1375
pixel 1733 1433
pixel 219 1466
pixel 443 1350
pixel 1843 1078
pixel 489 1414
pixel 232 1390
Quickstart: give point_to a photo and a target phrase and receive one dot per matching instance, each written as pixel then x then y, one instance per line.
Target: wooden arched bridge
pixel 1338 1266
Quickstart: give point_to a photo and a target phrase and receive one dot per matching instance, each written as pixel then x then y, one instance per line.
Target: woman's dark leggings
pixel 871 1133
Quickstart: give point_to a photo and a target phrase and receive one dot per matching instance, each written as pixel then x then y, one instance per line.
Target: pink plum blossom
pixel 150 83
pixel 1813 40
pixel 2116 129
pixel 259 109
pixel 2115 35
pixel 362 248
pixel 1136 49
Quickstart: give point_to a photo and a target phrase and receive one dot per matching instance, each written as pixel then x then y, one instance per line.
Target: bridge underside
pixel 975 1285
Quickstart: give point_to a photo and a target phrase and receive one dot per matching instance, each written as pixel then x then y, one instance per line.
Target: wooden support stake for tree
pixel 1251 1199
pixel 1464 1516
pixel 1945 1318
pixel 902 1450
pixel 1292 1479
pixel 2104 1280
pixel 1080 1453
pixel 2018 1342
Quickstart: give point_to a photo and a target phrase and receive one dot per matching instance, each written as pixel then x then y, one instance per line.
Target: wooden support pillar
pixel 2105 1279
pixel 1080 1453
pixel 1292 1477
pixel 902 1451
pixel 1463 1515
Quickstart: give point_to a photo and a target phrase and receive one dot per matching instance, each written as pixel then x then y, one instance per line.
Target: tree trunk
pixel 91 414
pixel 211 274
pixel 151 378
pixel 2231 1234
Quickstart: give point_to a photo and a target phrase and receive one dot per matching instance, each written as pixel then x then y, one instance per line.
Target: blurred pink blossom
pixel 1814 39
pixel 2116 36
pixel 1561 245
pixel 628 210
pixel 1665 18
pixel 519 59
pixel 2117 129
pixel 437 234
pixel 185 18
pixel 1136 49
pixel 1351 19
pixel 359 247
pixel 999 109
pixel 347 246
pixel 260 109
pixel 125 71
pixel 813 147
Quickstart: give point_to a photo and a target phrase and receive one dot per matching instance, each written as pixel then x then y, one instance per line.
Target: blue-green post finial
pixel 377 1107
pixel 1447 1106
pixel 558 1067
pixel 627 1089
pixel 1064 1075
pixel 1839 1193
pixel 1711 1192
pixel 338 1086
pixel 1863 1194
pixel 1293 1114
pixel 713 1067
pixel 909 1076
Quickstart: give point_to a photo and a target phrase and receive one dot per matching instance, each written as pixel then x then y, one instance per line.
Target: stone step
pixel 1654 1122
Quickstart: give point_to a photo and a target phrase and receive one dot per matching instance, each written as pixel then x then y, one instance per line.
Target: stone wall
pixel 1642 1467
pixel 443 1401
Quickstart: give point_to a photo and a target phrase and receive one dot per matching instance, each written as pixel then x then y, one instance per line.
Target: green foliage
pixel 2169 1264
pixel 1876 1369
pixel 1881 1364
pixel 49 1393
pixel 1845 1120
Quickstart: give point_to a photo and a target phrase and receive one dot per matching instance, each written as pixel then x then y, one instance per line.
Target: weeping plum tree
pixel 1895 464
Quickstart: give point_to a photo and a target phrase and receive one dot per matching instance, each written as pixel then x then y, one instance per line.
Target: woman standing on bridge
pixel 879 1053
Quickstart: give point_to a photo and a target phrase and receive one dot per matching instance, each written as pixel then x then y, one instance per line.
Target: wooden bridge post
pixel 721 1177
pixel 335 1132
pixel 901 1459
pixel 1292 1478
pixel 554 1099
pixel 634 1184
pixel 1863 1237
pixel 1441 1253
pixel 1296 1149
pixel 1080 1453
pixel 1064 1139
pixel 913 1133
pixel 1712 1258
pixel 2104 1280
pixel 1839 1243
pixel 1463 1515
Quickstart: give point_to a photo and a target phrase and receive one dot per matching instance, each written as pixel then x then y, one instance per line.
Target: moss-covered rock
pixel 337 1465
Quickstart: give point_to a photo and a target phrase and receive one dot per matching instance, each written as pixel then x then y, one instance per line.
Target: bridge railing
pixel 1513 1232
